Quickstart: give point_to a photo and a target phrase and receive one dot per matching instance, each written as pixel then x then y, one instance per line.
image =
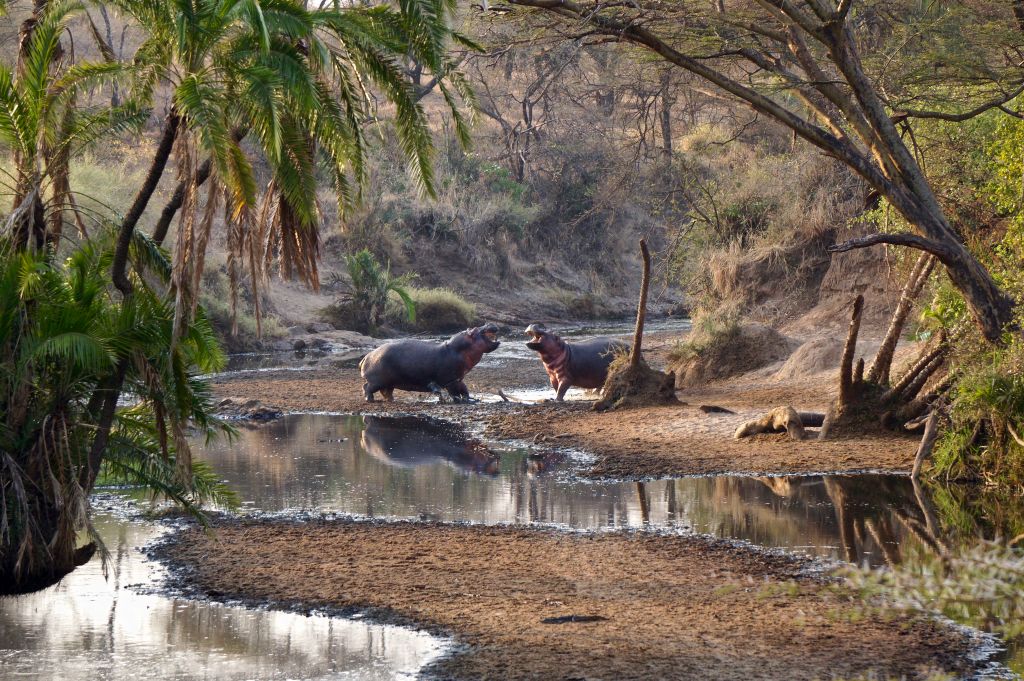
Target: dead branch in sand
pixel 714 409
pixel 630 381
pixel 506 398
pixel 924 450
pixel 779 420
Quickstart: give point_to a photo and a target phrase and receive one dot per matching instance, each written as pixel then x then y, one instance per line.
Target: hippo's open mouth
pixel 536 332
pixel 489 334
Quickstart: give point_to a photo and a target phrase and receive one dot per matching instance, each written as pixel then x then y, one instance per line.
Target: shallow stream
pixel 314 358
pixel 89 627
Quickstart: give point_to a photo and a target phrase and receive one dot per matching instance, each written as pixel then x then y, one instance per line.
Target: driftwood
pixel 714 409
pixel 779 420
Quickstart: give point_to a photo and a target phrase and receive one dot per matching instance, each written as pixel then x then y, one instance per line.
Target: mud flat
pixel 636 443
pixel 638 605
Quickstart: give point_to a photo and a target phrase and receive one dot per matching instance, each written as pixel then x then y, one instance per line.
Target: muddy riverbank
pixel 636 443
pixel 660 606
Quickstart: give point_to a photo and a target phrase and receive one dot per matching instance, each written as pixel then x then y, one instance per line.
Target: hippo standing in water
pixel 583 364
pixel 422 366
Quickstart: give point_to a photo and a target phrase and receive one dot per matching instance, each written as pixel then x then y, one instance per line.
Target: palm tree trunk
pixel 103 404
pixel 118 269
pixel 163 224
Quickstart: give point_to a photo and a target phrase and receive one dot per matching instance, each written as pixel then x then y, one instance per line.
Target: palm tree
pixel 64 340
pixel 372 286
pixel 67 348
pixel 44 127
pixel 295 81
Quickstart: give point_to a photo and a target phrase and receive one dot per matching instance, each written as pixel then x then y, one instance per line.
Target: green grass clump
pixel 438 310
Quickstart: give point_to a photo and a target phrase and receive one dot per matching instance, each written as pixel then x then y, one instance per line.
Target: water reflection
pixel 412 467
pixel 88 627
pixel 409 442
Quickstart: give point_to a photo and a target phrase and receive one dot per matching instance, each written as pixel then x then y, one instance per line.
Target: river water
pixel 91 627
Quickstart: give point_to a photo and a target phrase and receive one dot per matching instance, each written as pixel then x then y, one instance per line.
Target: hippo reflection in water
pixel 422 366
pixel 408 441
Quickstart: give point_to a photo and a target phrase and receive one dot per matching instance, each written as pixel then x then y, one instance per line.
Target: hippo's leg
pixel 388 394
pixel 436 388
pixel 367 392
pixel 563 388
pixel 458 391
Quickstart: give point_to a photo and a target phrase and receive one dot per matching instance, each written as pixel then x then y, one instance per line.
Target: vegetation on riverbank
pixel 120 318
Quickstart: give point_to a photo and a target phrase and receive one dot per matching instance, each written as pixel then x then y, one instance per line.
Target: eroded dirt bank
pixel 674 607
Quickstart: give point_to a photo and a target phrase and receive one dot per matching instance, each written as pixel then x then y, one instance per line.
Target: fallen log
pixel 781 420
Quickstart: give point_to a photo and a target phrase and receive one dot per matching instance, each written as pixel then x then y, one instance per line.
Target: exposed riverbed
pixel 393 466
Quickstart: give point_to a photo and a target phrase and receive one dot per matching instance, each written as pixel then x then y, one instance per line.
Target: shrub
pixel 438 310
pixel 981 586
pixel 371 287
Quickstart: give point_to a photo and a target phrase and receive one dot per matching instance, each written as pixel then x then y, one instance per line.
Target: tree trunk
pixel 667 100
pixel 849 122
pixel 119 268
pixel 163 223
pixel 883 359
pixel 641 310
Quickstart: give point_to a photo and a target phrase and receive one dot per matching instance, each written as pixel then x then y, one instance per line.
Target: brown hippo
pixel 423 366
pixel 583 364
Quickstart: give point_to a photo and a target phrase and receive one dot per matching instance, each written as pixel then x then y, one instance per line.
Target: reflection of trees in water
pixel 389 467
pixel 893 513
pixel 872 508
pixel 90 626
pixel 970 512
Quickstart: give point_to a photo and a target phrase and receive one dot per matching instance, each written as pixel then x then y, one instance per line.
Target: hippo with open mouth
pixel 422 366
pixel 584 364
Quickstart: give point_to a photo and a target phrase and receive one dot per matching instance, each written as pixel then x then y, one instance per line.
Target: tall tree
pixel 800 63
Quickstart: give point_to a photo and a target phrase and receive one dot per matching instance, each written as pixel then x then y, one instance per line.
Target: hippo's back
pixel 604 347
pixel 590 359
pixel 406 362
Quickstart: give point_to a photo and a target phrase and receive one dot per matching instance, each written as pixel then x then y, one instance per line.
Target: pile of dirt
pixel 538 603
pixel 639 386
pixel 740 349
pixel 811 358
pixel 775 281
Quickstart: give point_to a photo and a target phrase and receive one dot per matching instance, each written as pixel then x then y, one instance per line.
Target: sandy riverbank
pixel 672 607
pixel 647 442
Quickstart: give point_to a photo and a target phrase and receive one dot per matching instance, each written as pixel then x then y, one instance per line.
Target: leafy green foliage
pixel 372 286
pixel 64 337
pixel 43 126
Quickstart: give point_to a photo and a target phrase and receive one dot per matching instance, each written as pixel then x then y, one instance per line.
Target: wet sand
pixel 672 607
pixel 635 443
